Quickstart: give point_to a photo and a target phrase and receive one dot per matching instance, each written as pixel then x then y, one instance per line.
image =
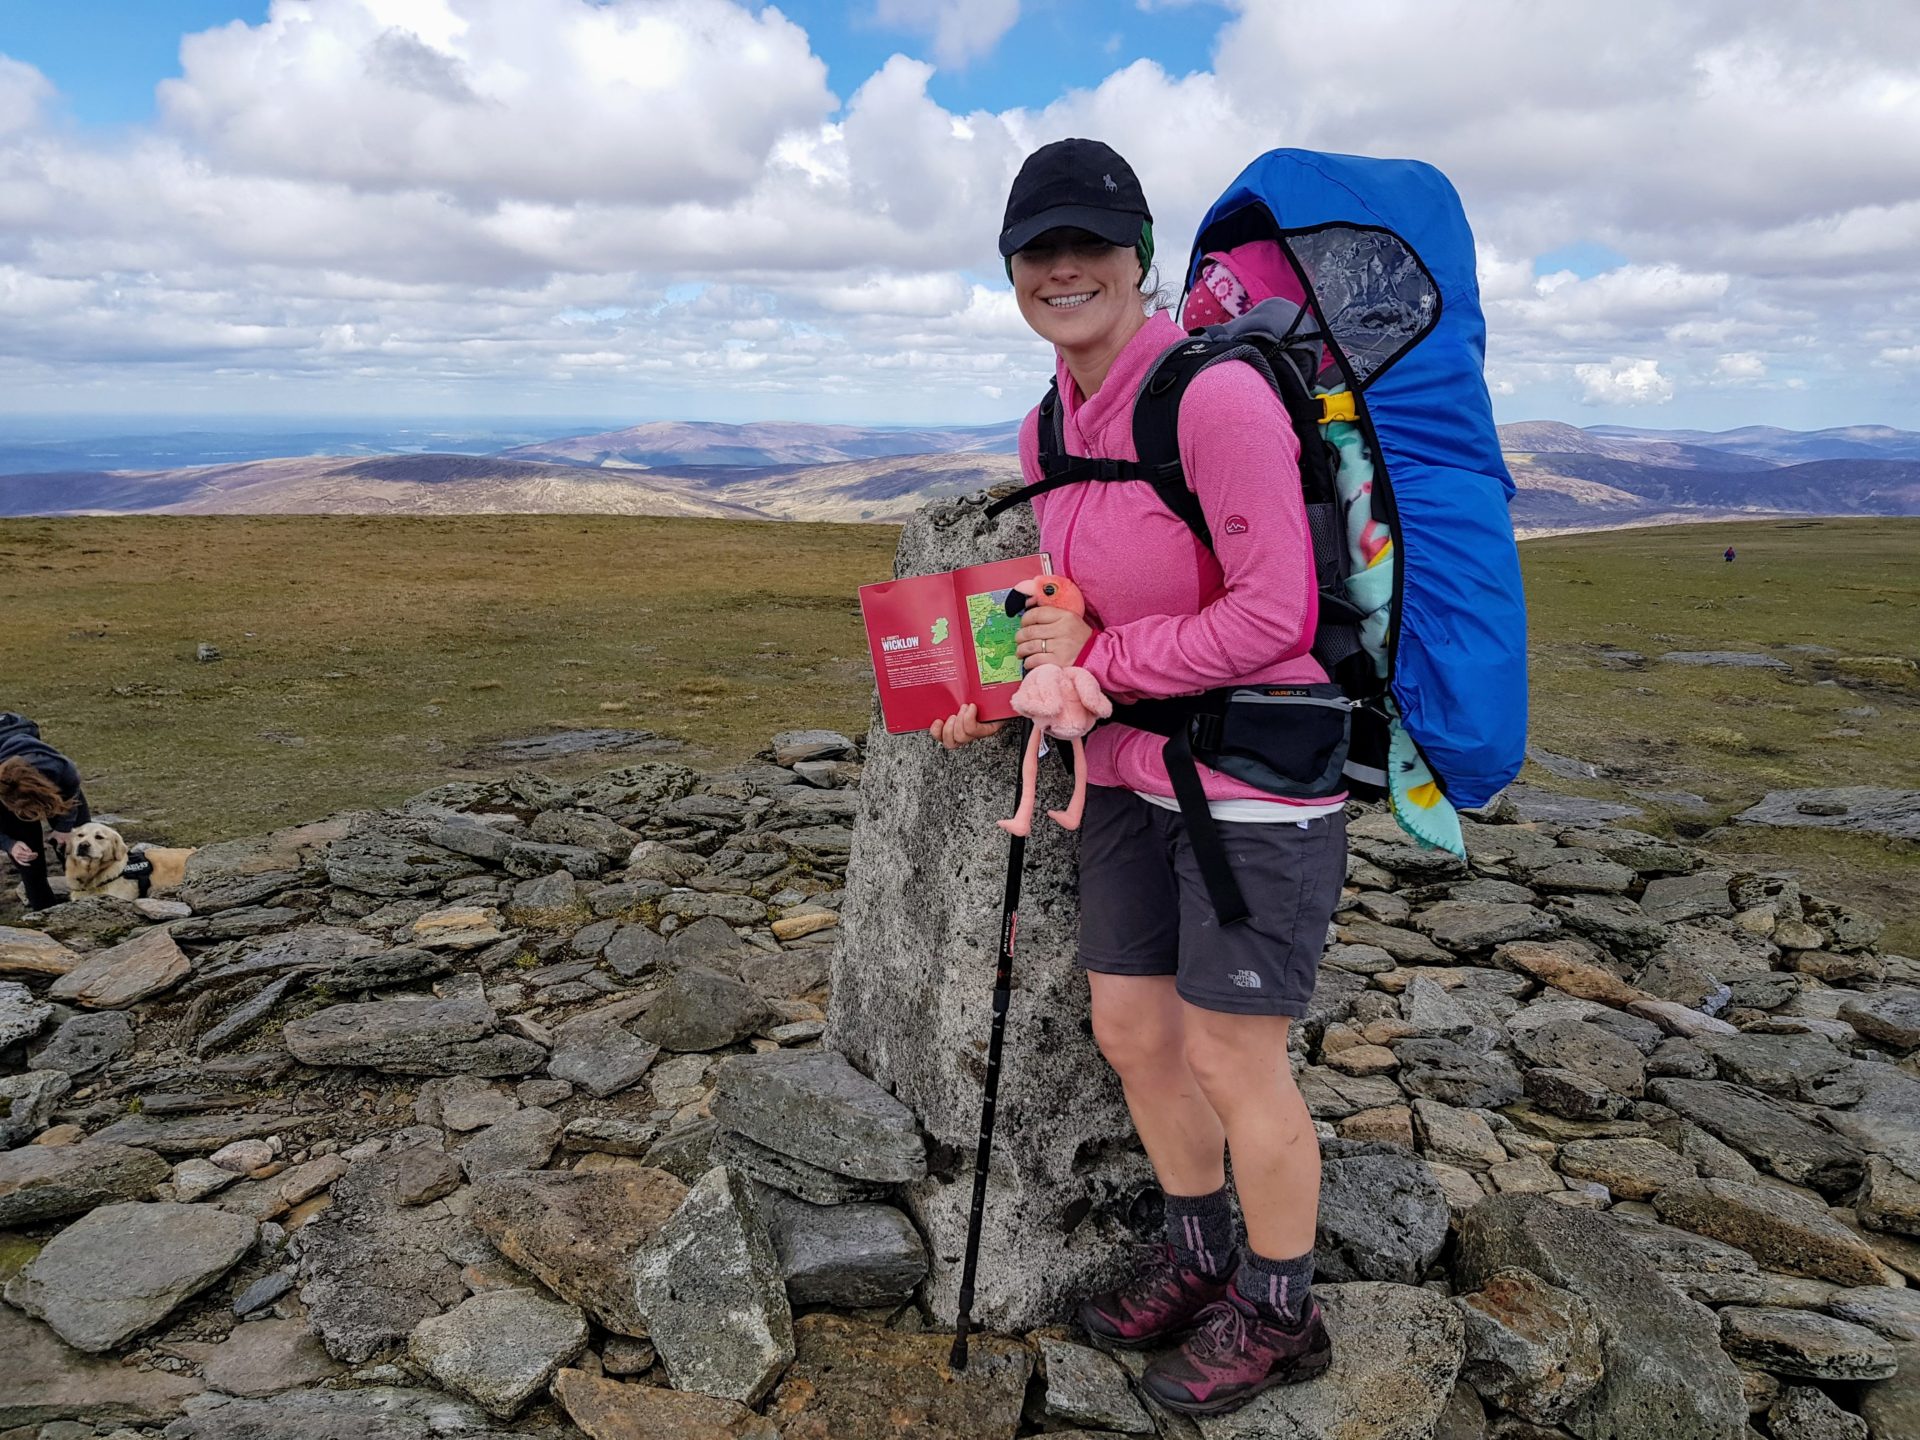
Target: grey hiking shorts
pixel 1144 909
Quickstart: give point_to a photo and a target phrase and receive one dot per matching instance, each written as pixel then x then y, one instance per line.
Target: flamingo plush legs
pixel 1067 819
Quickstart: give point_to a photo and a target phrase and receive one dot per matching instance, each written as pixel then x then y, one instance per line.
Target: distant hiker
pixel 1193 1014
pixel 38 787
pixel 1728 555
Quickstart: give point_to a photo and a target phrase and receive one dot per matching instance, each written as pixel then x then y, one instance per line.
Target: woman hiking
pixel 1193 1016
pixel 38 786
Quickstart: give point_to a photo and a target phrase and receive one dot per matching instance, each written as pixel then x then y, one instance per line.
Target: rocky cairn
pixel 644 1106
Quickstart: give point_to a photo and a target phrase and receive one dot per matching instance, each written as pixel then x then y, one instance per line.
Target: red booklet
pixel 943 641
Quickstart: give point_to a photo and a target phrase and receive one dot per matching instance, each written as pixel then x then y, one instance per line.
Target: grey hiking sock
pixel 1201 1230
pixel 1278 1289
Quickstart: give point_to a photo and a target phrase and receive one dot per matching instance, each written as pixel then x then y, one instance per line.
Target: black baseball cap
pixel 1081 184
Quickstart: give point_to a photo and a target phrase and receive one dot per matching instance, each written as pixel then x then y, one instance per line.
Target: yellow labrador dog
pixel 99 863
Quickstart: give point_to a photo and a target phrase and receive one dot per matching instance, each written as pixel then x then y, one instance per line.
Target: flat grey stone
pixel 1890 1018
pixel 413 1037
pixel 634 951
pixel 1664 1373
pixel 790 747
pixel 1382 1217
pixel 1799 1342
pixel 499 1348
pixel 21 1015
pixel 26 1103
pixel 314 949
pixel 702 1010
pixel 1445 1071
pixel 123 1268
pixel 248 1015
pixel 372 1264
pixel 51 1182
pixel 1870 809
pixel 86 1043
pixel 599 1055
pixel 1889 1201
pixel 1587 1050
pixel 1792 1067
pixel 523 1141
pixel 1774 1137
pixel 1781 1230
pixel 1530 802
pixel 814 1106
pixel 405 965
pixel 47 1381
pixel 373 1413
pixel 709 1287
pixel 129 972
pixel 852 1256
pixel 1085 1387
pixel 1894 1313
pixel 193 1134
pixel 1532 1348
pixel 1726 659
pixel 1688 897
pixel 771 1167
pixel 1804 1413
pixel 578 1231
pixel 1465 926
pixel 267 1358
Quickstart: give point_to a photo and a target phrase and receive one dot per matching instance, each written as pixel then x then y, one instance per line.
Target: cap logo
pixel 1110 184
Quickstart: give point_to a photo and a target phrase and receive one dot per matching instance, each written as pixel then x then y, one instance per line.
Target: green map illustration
pixel 940 631
pixel 995 634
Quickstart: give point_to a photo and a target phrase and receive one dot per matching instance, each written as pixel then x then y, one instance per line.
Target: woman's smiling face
pixel 1076 290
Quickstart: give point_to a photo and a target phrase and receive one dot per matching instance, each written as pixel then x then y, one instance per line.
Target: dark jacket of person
pixel 20 739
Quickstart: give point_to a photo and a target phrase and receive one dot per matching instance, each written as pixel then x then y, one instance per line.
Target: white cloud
pixel 23 90
pixel 1624 382
pixel 385 197
pixel 961 30
pixel 548 100
pixel 1745 365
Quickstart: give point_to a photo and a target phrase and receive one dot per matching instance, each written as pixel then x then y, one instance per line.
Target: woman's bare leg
pixel 1139 1024
pixel 1240 1065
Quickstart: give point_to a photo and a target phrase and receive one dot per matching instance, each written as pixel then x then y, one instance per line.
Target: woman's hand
pixel 22 853
pixel 1051 637
pixel 964 728
pixel 62 838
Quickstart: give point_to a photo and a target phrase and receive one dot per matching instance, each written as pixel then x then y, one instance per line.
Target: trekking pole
pixel 1002 995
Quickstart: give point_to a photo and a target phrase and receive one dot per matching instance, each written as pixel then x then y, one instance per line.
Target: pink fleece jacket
pixel 1172 617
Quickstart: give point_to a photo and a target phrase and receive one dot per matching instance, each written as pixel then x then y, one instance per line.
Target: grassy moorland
pixel 367 658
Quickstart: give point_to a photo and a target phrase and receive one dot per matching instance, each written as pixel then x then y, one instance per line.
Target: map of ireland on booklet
pixel 942 641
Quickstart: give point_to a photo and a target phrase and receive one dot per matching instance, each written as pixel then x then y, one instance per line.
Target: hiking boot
pixel 1234 1355
pixel 1162 1302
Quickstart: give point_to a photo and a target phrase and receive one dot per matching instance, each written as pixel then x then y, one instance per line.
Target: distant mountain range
pixel 1569 478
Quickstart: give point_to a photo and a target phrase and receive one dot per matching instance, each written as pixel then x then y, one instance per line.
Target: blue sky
pixel 704 209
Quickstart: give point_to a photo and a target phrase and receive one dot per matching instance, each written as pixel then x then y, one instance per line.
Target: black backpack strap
pixel 1057 468
pixel 1156 429
pixel 1156 439
pixel 1178 719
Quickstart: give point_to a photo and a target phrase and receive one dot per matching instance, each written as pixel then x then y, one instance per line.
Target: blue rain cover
pixel 1407 312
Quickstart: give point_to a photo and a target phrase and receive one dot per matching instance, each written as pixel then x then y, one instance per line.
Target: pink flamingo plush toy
pixel 1063 701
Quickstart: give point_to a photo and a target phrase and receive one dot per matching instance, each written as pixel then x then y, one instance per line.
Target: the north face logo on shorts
pixel 1245 979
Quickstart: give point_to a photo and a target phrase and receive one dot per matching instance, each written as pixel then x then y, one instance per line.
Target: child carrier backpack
pixel 1354 294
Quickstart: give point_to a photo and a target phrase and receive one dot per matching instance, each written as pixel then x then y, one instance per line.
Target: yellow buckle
pixel 1339 406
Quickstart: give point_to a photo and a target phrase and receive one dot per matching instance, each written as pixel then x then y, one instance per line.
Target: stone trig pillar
pixel 913 985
